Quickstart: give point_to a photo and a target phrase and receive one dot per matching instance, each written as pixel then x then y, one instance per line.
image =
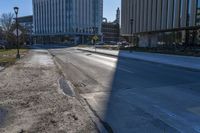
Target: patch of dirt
pixel 35 103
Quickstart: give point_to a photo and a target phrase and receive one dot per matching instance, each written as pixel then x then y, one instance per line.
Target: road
pixel 133 96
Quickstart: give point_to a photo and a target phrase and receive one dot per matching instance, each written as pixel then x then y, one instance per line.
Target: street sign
pixel 95 38
pixel 15 32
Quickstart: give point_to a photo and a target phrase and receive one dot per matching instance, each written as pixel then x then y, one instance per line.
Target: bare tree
pixel 7 24
pixel 1 33
pixel 6 21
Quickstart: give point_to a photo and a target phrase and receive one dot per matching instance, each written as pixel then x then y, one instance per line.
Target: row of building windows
pixel 156 15
pixel 49 15
pixel 75 30
pixel 198 13
pixel 61 16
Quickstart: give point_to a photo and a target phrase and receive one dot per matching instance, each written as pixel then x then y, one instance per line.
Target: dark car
pixel 3 44
pixel 100 43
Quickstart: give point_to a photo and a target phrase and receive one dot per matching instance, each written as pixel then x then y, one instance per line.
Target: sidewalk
pixel 31 99
pixel 175 60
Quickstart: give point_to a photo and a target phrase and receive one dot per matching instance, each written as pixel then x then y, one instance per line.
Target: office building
pixel 74 19
pixel 111 30
pixel 159 22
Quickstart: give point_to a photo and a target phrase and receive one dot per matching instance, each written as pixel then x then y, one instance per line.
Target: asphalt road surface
pixel 133 96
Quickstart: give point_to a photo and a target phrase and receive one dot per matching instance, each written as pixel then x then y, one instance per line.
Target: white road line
pixel 123 69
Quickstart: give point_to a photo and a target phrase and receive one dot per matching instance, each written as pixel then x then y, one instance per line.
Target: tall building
pixel 158 22
pixel 71 18
pixel 117 16
pixel 111 30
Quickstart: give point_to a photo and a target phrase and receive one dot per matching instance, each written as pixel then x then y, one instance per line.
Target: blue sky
pixel 25 6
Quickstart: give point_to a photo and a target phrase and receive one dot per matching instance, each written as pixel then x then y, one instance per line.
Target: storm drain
pixel 64 85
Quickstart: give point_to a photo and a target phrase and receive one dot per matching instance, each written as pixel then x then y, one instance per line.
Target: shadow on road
pixel 147 97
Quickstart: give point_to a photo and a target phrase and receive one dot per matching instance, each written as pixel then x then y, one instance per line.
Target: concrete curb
pixel 75 94
pixel 97 122
pixel 107 54
pixel 99 52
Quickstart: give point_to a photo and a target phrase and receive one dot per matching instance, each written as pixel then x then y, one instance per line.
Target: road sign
pixel 95 38
pixel 15 32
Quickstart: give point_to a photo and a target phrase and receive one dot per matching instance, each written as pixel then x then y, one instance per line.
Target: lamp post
pixel 94 41
pixel 16 9
pixel 131 22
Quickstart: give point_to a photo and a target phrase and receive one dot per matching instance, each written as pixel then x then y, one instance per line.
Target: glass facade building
pixel 67 17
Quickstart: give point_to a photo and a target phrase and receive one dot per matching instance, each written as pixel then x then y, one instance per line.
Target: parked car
pixel 119 43
pixel 123 44
pixel 112 43
pixel 100 43
pixel 3 44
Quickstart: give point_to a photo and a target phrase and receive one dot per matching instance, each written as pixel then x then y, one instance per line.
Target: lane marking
pixel 125 70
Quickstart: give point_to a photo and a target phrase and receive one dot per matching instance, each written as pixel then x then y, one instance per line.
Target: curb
pixel 75 94
pixel 99 53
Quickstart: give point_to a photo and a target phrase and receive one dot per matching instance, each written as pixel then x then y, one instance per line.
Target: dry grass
pixel 8 57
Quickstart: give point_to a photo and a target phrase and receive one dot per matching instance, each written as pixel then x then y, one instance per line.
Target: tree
pixel 8 26
pixel 6 21
pixel 1 33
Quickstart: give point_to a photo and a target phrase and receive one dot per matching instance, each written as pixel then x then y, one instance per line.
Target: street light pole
pixel 16 9
pixel 94 30
pixel 131 22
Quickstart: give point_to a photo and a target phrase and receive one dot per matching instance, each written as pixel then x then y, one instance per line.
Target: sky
pixel 25 6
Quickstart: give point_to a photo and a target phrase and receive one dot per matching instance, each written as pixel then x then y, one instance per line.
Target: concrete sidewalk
pixel 175 60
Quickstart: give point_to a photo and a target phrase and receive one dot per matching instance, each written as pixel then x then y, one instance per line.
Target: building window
pixel 188 12
pixel 198 13
pixel 181 10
